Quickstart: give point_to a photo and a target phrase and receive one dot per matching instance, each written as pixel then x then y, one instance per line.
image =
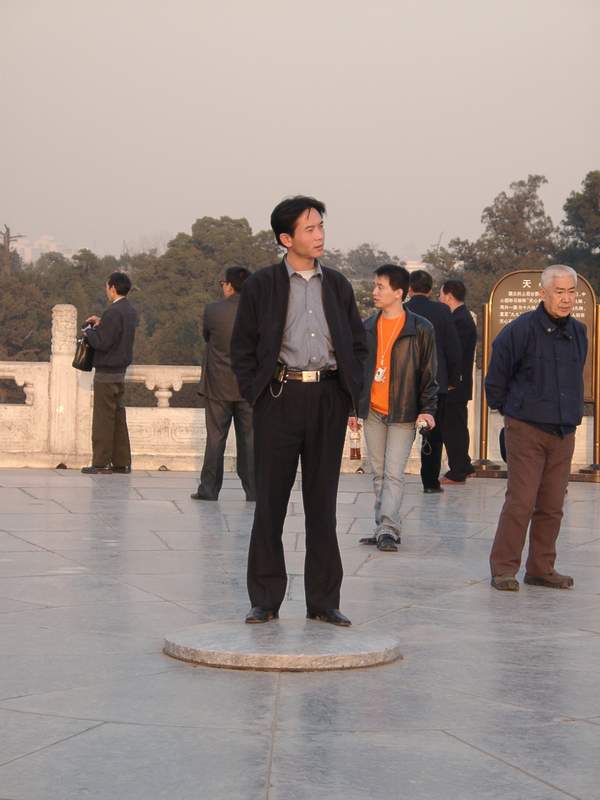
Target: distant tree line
pixel 170 289
pixel 517 234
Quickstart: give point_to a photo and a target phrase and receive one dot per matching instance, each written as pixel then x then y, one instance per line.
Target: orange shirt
pixel 388 331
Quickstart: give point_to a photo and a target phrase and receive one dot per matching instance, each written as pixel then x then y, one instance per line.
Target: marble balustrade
pixel 53 425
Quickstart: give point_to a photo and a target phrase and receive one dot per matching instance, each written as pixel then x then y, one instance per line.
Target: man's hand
pixel 93 320
pixel 354 424
pixel 427 418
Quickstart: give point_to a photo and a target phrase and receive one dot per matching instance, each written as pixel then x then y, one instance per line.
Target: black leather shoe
pixel 202 496
pixel 107 470
pixel 258 614
pixel 332 615
pixel 121 470
pixel 433 490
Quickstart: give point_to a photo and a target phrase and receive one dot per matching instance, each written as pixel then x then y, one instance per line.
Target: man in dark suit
pixel 297 350
pixel 111 336
pixel 221 396
pixel 448 371
pixel 456 428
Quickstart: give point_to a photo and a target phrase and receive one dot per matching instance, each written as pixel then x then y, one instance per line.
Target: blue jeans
pixel 389 445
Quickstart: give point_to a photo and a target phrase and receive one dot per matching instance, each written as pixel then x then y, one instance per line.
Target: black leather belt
pixel 311 376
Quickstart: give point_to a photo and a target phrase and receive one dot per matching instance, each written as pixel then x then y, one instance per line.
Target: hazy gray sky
pixel 122 120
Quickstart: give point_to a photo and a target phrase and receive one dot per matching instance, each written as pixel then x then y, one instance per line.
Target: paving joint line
pixel 53 744
pixel 273 734
pixel 513 766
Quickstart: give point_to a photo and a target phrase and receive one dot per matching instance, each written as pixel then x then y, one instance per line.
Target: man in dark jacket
pixel 111 336
pixel 400 393
pixel 221 396
pixel 297 351
pixel 535 379
pixel 448 370
pixel 456 427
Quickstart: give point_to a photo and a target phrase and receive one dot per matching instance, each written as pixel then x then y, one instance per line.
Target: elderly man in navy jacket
pixel 535 380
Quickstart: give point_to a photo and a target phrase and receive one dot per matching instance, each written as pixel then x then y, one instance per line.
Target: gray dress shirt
pixel 306 343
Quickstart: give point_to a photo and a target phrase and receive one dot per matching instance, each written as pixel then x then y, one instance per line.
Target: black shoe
pixel 433 490
pixel 121 470
pixel 368 540
pixel 332 615
pixel 258 614
pixel 387 543
pixel 203 496
pixel 106 470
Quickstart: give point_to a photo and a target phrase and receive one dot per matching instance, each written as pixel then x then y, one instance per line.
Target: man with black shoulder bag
pixel 111 337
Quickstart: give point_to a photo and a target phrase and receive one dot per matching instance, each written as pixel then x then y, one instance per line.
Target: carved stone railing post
pixel 63 381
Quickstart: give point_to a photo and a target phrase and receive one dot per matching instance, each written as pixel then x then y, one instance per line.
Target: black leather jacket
pixel 413 370
pixel 258 330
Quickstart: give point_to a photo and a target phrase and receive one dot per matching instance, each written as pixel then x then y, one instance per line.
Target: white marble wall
pixel 54 425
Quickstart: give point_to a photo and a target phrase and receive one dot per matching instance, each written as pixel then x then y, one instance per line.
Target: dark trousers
pixel 455 434
pixel 539 465
pixel 219 414
pixel 307 422
pixel 110 437
pixel 431 457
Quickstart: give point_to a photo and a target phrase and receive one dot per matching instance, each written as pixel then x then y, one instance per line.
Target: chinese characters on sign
pixel 518 292
pixel 515 302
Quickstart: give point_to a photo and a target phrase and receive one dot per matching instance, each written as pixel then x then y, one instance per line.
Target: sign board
pixel 518 292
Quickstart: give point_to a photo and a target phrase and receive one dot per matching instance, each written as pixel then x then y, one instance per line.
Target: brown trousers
pixel 539 465
pixel 110 437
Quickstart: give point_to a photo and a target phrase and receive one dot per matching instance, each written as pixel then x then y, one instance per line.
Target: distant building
pixel 413 265
pixel 31 251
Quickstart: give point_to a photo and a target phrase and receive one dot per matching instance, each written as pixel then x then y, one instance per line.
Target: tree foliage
pixel 517 234
pixel 580 231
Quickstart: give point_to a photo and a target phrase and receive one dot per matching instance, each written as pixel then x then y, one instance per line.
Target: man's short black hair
pixel 236 277
pixel 456 288
pixel 421 281
pixel 397 276
pixel 285 214
pixel 121 281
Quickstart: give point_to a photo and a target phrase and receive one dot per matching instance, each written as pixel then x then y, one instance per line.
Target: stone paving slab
pixel 497 696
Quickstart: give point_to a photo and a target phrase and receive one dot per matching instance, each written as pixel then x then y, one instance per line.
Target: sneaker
pixel 387 543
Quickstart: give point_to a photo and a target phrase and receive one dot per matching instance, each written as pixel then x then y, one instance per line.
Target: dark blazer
pixel 536 370
pixel 413 367
pixel 467 335
pixel 112 339
pixel 218 381
pixel 446 339
pixel 258 330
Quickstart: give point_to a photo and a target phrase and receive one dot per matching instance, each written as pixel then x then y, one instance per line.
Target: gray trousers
pixel 219 414
pixel 389 445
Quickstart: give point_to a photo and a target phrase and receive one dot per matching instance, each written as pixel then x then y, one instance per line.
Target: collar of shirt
pixel 291 271
pixel 119 297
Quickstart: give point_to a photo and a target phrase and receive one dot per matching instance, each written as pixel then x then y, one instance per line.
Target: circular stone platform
pixel 285 645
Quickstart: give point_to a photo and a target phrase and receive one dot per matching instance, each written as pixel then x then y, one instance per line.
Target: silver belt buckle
pixel 310 376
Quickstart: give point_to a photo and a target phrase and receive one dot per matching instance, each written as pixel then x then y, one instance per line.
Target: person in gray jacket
pixel 221 396
pixel 399 395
